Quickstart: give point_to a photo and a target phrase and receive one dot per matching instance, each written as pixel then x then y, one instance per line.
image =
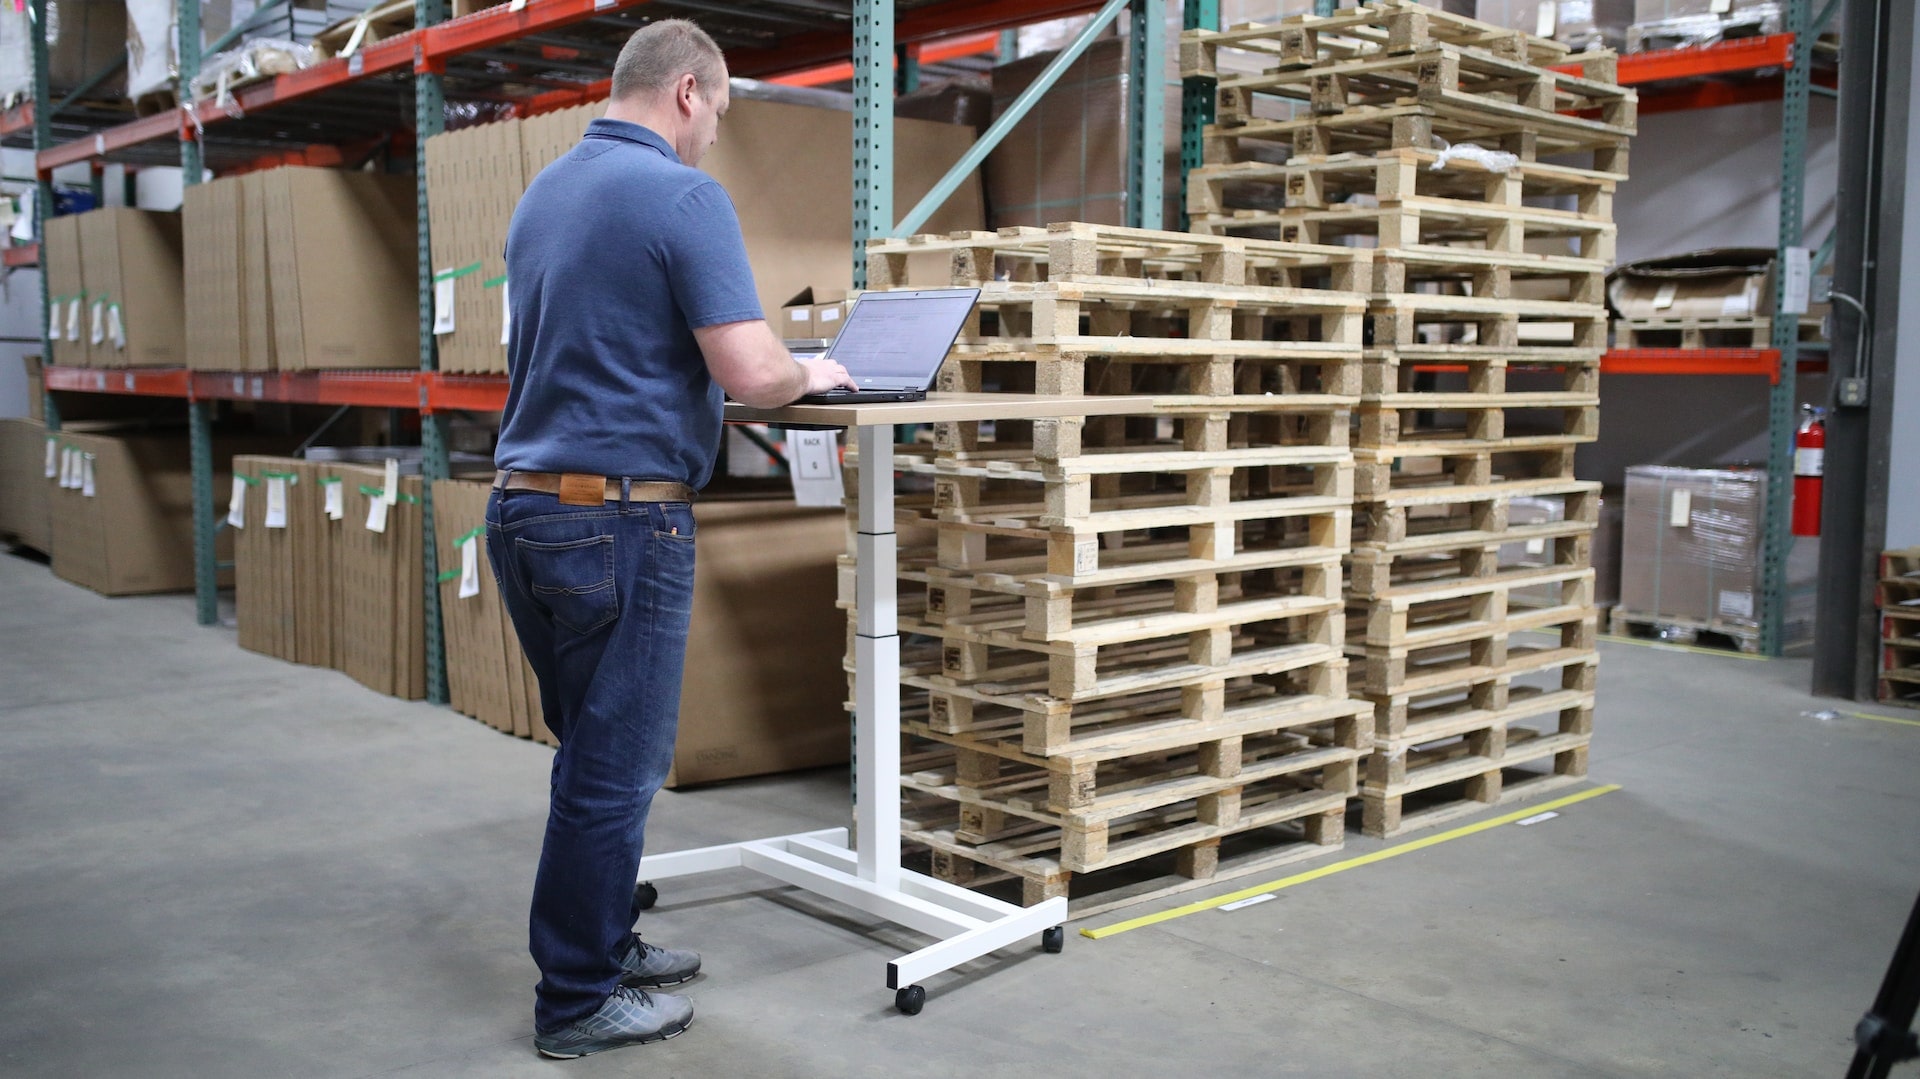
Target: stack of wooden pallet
pixel 1900 627
pixel 1124 635
pixel 1425 137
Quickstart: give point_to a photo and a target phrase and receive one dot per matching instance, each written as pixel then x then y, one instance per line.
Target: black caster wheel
pixel 1054 939
pixel 645 896
pixel 910 1000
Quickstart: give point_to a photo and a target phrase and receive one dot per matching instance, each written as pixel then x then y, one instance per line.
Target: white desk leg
pixel 877 666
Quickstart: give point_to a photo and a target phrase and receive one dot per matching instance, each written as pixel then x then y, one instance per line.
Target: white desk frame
pixel 867 874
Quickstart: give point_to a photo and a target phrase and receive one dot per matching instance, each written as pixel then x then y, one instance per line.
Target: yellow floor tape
pixel 1342 867
pixel 1669 646
pixel 1882 719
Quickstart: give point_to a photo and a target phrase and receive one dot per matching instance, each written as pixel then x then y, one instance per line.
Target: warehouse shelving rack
pixel 348 107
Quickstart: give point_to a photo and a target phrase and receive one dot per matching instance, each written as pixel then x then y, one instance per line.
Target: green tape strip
pixel 404 497
pixel 290 477
pixel 449 275
pixel 371 492
pixel 251 481
pixel 494 282
pixel 324 480
pixel 449 575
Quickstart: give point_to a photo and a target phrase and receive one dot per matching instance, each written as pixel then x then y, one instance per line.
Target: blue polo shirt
pixel 616 253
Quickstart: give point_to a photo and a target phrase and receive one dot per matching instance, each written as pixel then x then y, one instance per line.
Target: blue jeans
pixel 600 597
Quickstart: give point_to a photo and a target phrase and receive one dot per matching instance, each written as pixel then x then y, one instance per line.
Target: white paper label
pixel 1721 7
pixel 1736 604
pixel 1543 24
pixel 470 568
pixel 1663 296
pixel 1809 462
pixel 1735 305
pixel 506 315
pixel 1251 901
pixel 115 329
pixel 99 316
pixel 1537 818
pixel 443 306
pixel 1680 513
pixel 66 469
pixel 276 502
pixel 516 5
pixel 391 492
pixel 1086 555
pixel 237 503
pixel 377 515
pixel 829 314
pixel 53 457
pixel 1796 281
pixel 86 475
pixel 336 502
pixel 56 331
pixel 813 462
pixel 799 316
pixel 73 320
pixel 1536 546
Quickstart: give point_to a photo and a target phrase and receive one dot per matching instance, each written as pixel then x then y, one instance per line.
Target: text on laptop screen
pixel 900 338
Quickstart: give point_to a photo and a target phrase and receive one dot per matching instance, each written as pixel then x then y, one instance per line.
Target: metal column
pixel 872 128
pixel 1196 100
pixel 1146 116
pixel 430 119
pixel 1786 334
pixel 206 567
pixel 43 190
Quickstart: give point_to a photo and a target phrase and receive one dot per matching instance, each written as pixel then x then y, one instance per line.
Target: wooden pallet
pixel 1379 570
pixel 1708 332
pixel 1456 420
pixel 1418 221
pixel 1445 513
pixel 1075 252
pixel 1464 780
pixel 1408 686
pixel 1741 636
pixel 1383 27
pixel 1155 853
pixel 1389 176
pixel 998 786
pixel 1430 614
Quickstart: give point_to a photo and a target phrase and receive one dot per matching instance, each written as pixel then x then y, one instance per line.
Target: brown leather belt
pixel 578 489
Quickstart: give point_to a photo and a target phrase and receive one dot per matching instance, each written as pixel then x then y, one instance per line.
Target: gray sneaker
pixel 629 1017
pixel 647 967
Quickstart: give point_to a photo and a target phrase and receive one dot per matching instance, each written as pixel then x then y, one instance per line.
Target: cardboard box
pixel 380 628
pixel 1690 551
pixel 813 314
pixel 36 388
pixel 25 490
pixel 796 317
pixel 828 311
pixel 130 529
pixel 475 176
pixel 343 267
pixel 1606 547
pixel 283 562
pixel 83 36
pixel 66 290
pixel 227 314
pixel 487 675
pixel 131 268
pixel 1581 24
pixel 1719 283
pixel 764 681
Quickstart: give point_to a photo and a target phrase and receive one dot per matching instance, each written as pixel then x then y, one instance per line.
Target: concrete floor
pixel 219 864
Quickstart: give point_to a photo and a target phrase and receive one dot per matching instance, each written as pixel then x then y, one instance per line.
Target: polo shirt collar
pixel 631 132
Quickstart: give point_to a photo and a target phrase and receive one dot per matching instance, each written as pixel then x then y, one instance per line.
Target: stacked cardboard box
pixel 122 510
pixel 794 224
pixel 114 289
pixel 1136 623
pixel 1717 298
pixel 301 269
pixel 26 454
pixel 1426 136
pixel 284 558
pixel 762 686
pixel 1684 24
pixel 1691 558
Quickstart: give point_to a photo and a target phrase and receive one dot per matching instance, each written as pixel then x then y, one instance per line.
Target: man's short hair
pixel 657 54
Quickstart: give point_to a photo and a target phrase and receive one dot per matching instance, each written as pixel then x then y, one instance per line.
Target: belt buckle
pixel 577 489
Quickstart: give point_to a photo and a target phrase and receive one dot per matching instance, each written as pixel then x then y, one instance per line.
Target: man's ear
pixel 684 92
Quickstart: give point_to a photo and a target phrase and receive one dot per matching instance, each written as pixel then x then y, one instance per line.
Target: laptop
pixel 893 343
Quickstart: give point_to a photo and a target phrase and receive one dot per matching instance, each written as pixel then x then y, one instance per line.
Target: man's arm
pixel 755 369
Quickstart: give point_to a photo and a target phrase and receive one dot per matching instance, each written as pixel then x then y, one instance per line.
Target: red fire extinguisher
pixel 1809 465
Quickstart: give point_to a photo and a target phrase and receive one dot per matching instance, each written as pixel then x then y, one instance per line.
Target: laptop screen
pixel 897 340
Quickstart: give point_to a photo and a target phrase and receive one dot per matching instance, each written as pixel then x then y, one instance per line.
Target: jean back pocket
pixel 573 580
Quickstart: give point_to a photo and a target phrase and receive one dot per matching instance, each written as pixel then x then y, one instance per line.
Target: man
pixel 632 308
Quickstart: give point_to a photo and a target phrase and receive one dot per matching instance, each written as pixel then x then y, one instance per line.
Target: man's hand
pixel 824 374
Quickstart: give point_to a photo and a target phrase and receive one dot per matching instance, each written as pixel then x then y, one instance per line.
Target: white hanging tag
pixel 115 329
pixel 813 465
pixel 86 475
pixel 377 515
pixel 237 503
pixel 443 306
pixel 1680 513
pixel 73 320
pixel 276 502
pixel 336 502
pixel 99 334
pixel 53 457
pixel 391 492
pixel 1543 23
pixel 55 330
pixel 506 315
pixel 470 567
pixel 66 468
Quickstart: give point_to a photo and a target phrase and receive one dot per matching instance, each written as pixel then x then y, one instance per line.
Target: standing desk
pixel 866 873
